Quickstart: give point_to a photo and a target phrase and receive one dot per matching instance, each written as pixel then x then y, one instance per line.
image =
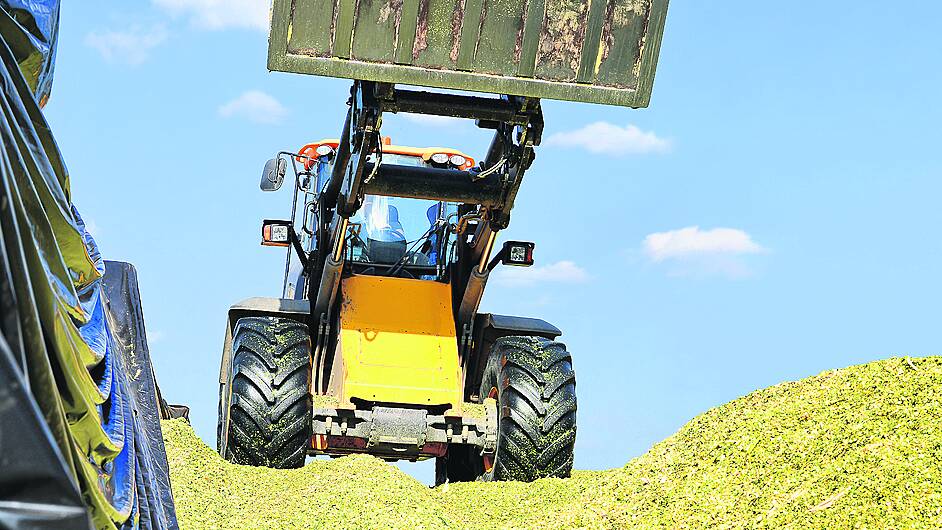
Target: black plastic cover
pixel 73 414
pixel 127 327
pixel 36 489
pixel 30 28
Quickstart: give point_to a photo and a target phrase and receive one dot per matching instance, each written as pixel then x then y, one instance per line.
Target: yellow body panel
pixel 397 342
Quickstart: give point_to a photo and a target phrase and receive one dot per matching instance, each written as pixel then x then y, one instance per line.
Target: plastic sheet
pixel 72 356
pixel 36 489
pixel 30 31
pixel 127 329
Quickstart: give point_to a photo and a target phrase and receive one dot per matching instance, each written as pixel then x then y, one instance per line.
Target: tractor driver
pixel 385 238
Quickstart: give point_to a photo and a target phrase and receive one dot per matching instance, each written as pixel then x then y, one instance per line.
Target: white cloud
pixel 609 139
pixel 221 14
pixel 692 242
pixel 432 120
pixel 559 272
pixel 132 46
pixel 256 106
pixel 154 337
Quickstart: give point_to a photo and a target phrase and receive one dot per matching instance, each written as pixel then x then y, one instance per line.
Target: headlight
pixel 440 158
pixel 457 160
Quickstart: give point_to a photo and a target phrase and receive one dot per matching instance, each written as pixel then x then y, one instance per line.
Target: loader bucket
pixel 579 50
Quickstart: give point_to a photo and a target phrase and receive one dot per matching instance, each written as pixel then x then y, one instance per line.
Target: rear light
pixel 435 449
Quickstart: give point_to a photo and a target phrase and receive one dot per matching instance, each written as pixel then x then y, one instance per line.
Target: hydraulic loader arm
pixel 518 126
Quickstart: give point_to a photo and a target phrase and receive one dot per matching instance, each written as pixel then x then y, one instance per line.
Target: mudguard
pixel 487 329
pixel 299 310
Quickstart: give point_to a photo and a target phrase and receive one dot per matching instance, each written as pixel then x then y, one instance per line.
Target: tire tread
pixel 537 396
pixel 270 402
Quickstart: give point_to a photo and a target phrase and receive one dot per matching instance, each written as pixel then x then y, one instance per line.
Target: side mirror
pixel 273 176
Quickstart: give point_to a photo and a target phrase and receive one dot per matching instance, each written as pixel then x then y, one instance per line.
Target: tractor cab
pixel 392 236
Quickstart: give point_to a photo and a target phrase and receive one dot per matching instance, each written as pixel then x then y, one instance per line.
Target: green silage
pixel 859 447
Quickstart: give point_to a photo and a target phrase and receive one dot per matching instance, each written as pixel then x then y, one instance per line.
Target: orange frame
pixel 310 150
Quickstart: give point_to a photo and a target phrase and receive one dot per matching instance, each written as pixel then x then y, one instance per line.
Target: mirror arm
pixel 497 260
pixel 297 175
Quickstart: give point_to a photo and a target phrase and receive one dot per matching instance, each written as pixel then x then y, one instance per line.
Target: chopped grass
pixel 859 447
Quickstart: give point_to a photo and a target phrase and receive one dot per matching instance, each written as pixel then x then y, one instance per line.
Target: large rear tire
pixel 268 399
pixel 535 387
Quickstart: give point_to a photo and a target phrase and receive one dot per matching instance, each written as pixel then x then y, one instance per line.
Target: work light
pixel 440 158
pixel 276 233
pixel 518 253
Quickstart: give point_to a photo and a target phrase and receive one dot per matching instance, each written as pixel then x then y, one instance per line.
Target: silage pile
pixel 857 447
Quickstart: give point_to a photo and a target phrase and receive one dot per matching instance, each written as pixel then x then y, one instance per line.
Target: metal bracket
pixel 402 432
pixel 364 137
pixel 490 427
pixel 402 429
pixel 464 345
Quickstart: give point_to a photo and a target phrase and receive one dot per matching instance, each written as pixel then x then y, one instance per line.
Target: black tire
pixel 268 395
pixel 535 387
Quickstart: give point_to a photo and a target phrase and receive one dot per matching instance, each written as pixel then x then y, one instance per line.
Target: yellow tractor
pixel 376 344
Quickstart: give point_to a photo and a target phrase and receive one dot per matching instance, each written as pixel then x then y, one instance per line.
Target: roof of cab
pixel 424 152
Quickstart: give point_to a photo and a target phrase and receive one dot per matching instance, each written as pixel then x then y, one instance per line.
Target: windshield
pixel 397 230
pixel 390 230
pixel 410 236
pixel 393 229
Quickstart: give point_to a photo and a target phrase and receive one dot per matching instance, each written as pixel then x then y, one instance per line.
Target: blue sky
pixel 773 214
